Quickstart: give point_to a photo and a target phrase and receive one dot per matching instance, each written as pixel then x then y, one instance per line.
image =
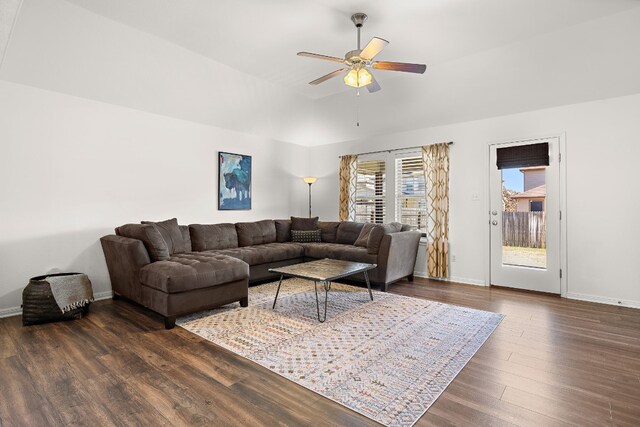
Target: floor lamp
pixel 309 180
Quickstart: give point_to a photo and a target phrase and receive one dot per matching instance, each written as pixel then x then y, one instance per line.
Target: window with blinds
pixel 370 191
pixel 411 205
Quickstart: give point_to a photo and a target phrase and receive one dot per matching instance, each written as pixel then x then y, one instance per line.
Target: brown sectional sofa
pixel 207 265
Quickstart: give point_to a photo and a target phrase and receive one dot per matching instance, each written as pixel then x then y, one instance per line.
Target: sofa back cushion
pixel 329 231
pixel 256 233
pixel 173 237
pixel 209 237
pixel 348 232
pixel 184 229
pixel 150 237
pixel 283 230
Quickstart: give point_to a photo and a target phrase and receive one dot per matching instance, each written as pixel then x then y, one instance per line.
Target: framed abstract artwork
pixel 234 181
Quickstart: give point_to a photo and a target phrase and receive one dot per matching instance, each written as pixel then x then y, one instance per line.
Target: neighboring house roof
pixel 534 193
pixel 532 168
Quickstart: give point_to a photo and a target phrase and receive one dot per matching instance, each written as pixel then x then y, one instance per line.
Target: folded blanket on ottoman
pixel 70 291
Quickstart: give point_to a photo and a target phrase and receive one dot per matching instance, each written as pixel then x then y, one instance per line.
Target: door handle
pixel 494 222
pixel 494 213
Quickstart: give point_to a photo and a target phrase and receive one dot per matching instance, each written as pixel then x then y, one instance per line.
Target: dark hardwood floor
pixel 550 362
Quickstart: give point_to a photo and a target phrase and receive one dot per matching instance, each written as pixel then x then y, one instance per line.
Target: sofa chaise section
pixel 177 284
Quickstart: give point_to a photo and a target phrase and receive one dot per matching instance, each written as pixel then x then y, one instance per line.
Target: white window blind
pixel 370 191
pixel 411 206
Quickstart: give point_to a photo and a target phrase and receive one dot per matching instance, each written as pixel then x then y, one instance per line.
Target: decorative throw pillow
pixel 306 236
pixel 363 238
pixel 170 232
pixel 304 224
pixel 377 232
pixel 150 236
pixel 375 238
pixel 395 227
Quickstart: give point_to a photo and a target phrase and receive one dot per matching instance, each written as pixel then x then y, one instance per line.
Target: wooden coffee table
pixel 324 271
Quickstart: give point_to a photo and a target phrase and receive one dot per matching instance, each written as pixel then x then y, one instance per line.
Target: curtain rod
pixel 394 149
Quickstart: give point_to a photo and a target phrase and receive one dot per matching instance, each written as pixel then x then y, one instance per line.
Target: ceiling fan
pixel 358 62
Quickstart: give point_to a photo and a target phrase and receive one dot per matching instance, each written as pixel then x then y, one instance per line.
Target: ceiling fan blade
pixel 318 56
pixel 373 48
pixel 399 66
pixel 328 76
pixel 374 86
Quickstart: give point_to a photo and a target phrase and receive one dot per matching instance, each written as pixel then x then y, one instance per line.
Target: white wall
pixel 72 169
pixel 58 46
pixel 602 165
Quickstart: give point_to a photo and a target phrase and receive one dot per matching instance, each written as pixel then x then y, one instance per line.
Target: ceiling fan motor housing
pixel 352 59
pixel 358 19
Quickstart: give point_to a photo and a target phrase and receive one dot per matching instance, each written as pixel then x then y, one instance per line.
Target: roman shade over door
pixel 348 164
pixel 523 156
pixel 435 164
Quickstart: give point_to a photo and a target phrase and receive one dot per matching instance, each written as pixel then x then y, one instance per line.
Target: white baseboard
pixel 12 311
pixel 102 295
pixel 17 311
pixel 604 300
pixel 453 279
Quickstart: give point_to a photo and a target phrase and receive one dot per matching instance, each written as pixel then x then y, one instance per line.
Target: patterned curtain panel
pixel 348 187
pixel 435 163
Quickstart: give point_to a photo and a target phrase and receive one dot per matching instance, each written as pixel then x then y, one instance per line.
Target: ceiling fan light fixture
pixel 358 62
pixel 358 78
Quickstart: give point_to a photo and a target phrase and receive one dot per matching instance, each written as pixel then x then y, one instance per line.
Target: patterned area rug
pixel 388 359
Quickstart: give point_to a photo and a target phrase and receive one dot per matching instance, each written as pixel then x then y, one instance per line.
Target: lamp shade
pixel 309 179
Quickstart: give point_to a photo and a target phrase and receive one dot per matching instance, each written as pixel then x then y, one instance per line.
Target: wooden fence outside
pixel 524 229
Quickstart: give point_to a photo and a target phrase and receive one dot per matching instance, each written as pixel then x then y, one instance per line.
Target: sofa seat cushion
pixel 194 270
pixel 260 254
pixel 339 251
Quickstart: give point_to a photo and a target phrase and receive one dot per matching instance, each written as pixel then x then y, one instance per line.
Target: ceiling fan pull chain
pixel 358 107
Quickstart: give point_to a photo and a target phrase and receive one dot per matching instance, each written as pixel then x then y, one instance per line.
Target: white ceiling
pixel 261 37
pixel 232 64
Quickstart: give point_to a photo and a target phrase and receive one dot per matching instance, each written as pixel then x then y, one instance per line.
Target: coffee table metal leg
pixel 277 292
pixel 326 286
pixel 366 277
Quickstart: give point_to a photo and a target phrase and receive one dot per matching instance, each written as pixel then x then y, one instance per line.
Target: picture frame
pixel 234 181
